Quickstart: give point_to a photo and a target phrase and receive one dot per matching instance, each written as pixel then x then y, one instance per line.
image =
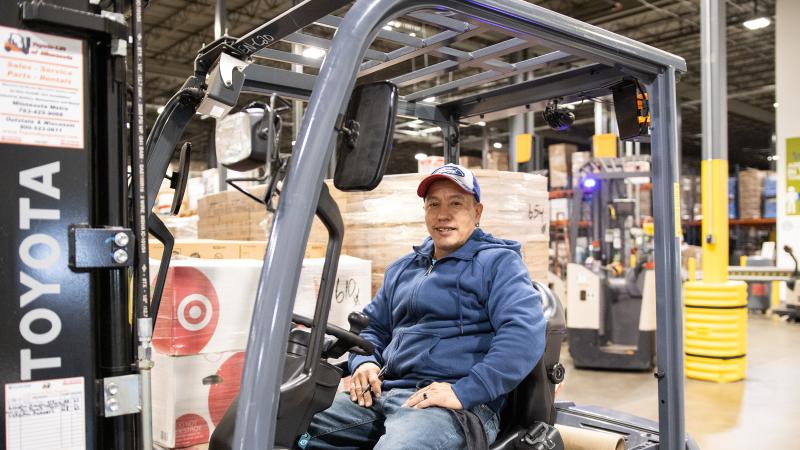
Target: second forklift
pixel 611 298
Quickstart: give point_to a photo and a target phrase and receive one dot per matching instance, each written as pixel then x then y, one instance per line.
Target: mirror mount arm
pixel 452 140
pixel 350 129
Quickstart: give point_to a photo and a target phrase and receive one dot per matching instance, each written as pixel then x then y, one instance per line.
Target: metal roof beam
pixel 691 92
pixel 491 75
pixel 588 81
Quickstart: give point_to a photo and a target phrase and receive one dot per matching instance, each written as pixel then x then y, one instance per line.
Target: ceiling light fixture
pixel 429 99
pixel 481 124
pixel 420 156
pixel 313 52
pixel 497 145
pixel 757 23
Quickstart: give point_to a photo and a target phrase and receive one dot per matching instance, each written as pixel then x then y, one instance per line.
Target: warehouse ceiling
pixel 176 29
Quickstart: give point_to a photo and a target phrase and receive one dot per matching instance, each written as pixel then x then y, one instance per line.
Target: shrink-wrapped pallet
pixel 381 225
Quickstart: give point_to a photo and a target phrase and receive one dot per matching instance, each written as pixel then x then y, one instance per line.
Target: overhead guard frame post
pixel 669 333
pixel 256 415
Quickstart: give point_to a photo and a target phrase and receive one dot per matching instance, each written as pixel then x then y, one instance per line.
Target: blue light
pixel 589 183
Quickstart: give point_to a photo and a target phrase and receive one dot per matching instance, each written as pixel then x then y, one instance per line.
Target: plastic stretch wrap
pixel 381 225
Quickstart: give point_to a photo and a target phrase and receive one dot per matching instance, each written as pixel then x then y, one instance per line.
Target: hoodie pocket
pixel 412 354
pixel 457 355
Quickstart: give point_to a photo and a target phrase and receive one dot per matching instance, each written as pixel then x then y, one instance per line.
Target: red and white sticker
pixel 41 89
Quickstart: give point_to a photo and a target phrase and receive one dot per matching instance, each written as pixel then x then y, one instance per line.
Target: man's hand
pixel 365 379
pixel 436 394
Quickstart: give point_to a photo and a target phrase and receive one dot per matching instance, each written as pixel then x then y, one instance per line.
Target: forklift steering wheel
pixel 350 339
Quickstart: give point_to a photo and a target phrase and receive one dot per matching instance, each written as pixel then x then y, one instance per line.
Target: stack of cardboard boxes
pixel 560 161
pixel 751 187
pixel 202 329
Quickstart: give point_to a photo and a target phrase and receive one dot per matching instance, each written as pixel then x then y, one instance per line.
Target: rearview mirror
pixel 631 109
pixel 179 178
pixel 365 137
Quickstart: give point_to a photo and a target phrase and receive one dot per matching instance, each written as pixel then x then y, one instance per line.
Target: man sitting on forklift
pixel 456 326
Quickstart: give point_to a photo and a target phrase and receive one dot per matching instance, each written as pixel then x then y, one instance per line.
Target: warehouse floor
pixel 761 412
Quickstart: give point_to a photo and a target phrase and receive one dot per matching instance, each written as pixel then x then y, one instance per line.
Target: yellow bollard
pixel 715 308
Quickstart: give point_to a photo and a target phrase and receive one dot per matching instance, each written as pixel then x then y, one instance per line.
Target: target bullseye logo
pixel 195 312
pixel 189 312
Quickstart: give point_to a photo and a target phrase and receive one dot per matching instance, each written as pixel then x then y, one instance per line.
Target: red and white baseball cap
pixel 460 175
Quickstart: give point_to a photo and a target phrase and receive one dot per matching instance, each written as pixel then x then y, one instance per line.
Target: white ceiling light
pixel 412 34
pixel 775 105
pixel 429 99
pixel 420 156
pixel 313 52
pixel 160 110
pixel 481 124
pixel 387 27
pixel 757 23
pixel 395 24
pixel 497 145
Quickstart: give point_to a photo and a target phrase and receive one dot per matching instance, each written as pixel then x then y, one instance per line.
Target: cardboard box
pixel 211 249
pixel 497 160
pixel 470 162
pixel 559 209
pixel 560 164
pixel 428 164
pixel 207 305
pixel 191 394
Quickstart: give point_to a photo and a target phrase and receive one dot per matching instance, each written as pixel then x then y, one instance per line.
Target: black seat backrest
pixel 533 400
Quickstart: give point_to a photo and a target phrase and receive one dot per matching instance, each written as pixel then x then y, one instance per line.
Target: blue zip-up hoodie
pixel 472 319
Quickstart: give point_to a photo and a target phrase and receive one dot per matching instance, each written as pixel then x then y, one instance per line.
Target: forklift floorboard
pixel 758 412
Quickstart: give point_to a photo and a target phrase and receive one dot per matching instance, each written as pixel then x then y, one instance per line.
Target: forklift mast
pixel 66 247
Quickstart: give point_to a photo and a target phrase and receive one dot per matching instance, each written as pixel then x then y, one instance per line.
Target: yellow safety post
pixel 715 307
pixel 524 146
pixel 775 294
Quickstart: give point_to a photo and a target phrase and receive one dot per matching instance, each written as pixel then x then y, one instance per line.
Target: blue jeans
pixel 389 426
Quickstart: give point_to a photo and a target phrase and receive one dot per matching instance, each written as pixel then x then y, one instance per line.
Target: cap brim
pixel 422 189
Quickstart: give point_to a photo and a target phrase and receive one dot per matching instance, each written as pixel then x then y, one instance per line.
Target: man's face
pixel 450 215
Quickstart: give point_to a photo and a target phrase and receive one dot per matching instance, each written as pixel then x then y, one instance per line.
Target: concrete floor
pixel 761 412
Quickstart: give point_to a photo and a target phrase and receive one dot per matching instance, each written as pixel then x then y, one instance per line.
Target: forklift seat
pixel 532 402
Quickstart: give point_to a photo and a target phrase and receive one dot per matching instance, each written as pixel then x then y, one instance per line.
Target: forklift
pixel 611 292
pixel 81 209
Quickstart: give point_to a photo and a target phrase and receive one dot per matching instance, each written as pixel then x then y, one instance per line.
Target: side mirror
pixel 365 138
pixel 631 108
pixel 178 179
pixel 247 139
